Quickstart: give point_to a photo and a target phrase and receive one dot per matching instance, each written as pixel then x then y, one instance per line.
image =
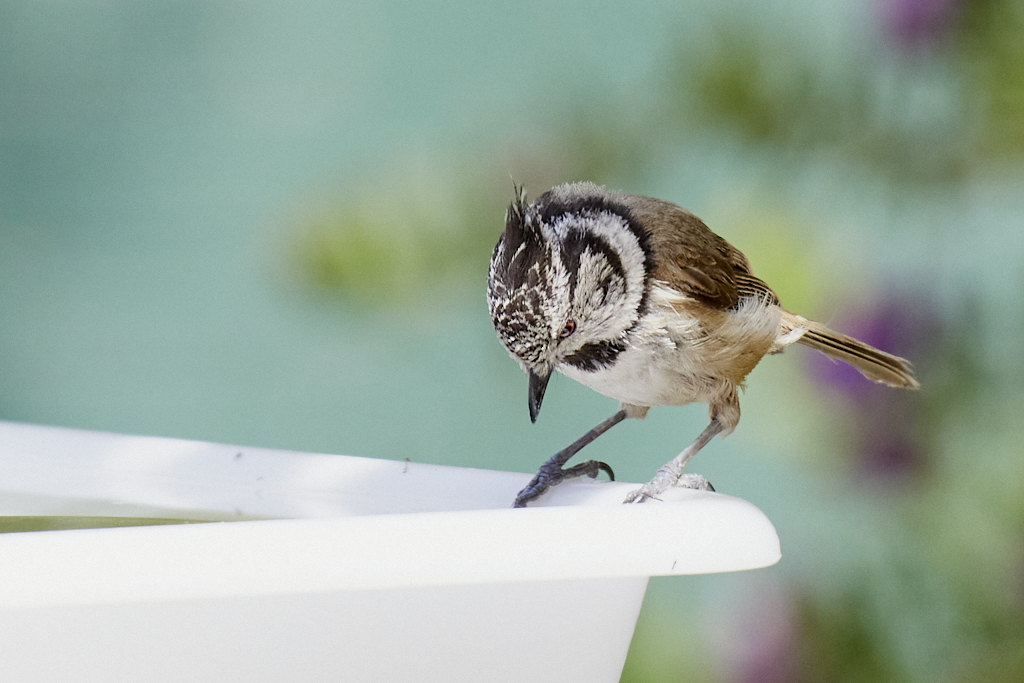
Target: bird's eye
pixel 570 327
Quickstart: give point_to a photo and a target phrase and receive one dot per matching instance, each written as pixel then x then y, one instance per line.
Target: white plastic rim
pixel 343 523
pixel 354 569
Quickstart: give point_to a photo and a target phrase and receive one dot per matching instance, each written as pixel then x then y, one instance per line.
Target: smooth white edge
pixel 689 532
pixel 708 534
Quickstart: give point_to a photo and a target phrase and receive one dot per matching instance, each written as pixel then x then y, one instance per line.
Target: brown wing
pixel 693 260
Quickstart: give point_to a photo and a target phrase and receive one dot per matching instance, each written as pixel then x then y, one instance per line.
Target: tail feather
pixel 874 364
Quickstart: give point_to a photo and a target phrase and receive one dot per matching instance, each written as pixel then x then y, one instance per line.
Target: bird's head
pixel 568 281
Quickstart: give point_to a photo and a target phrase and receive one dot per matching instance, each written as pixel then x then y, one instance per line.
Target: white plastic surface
pixel 368 570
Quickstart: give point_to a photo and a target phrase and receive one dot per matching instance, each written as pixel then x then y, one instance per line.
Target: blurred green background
pixel 269 224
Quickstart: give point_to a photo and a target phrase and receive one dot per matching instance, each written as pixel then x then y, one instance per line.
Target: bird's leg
pixel 671 473
pixel 552 472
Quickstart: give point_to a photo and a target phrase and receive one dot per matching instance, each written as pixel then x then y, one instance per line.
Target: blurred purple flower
pixel 887 422
pixel 903 327
pixel 917 23
pixel 759 636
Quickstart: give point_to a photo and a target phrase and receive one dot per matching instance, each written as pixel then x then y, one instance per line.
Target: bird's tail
pixel 876 365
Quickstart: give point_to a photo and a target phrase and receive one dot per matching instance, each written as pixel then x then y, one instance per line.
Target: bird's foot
pixel 551 474
pixel 665 480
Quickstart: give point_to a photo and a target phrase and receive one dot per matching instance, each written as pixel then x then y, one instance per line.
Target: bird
pixel 637 299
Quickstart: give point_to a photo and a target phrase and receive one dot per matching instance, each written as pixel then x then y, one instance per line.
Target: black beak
pixel 538 383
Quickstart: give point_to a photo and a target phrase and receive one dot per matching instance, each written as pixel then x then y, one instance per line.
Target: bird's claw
pixel 640 495
pixel 546 478
pixel 694 481
pixel 655 487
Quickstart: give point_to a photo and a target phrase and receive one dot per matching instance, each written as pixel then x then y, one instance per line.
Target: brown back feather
pixel 692 259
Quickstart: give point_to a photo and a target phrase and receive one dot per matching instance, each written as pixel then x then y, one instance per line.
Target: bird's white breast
pixel 672 358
